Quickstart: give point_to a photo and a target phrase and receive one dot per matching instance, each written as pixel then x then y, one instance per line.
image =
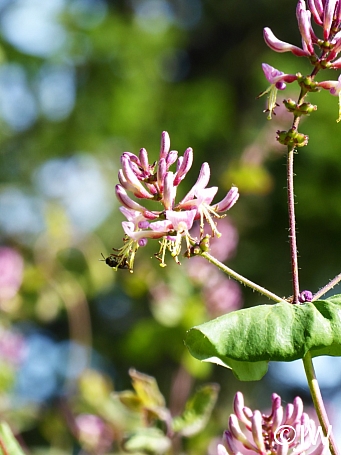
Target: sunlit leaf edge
pixel 246 340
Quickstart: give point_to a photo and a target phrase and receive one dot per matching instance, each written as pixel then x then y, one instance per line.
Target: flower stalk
pixel 318 402
pixel 240 278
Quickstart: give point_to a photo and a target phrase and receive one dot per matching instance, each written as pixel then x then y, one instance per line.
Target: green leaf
pixel 8 441
pixel 147 440
pixel 146 389
pixel 246 340
pixel 197 411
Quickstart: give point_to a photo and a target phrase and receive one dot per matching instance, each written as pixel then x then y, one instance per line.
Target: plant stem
pixel 327 287
pixel 240 278
pixel 292 225
pixel 318 402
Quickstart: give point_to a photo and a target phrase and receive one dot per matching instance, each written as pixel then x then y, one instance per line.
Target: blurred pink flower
pixel 93 433
pixel 12 346
pixel 225 248
pixel 223 297
pixel 11 272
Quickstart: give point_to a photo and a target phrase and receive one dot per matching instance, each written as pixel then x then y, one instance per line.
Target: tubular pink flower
pixel 130 176
pixel 334 88
pixel 297 411
pixel 143 156
pixel 304 25
pixel 165 144
pixel 125 200
pixel 169 191
pixel 124 182
pixel 296 432
pixel 237 433
pixel 275 76
pixel 130 231
pixel 316 9
pixel 185 166
pixel 280 46
pixel 161 173
pixel 257 430
pixel 238 407
pixel 329 10
pixel 230 444
pixel 171 158
pixel 133 216
pixel 277 80
pixel 229 200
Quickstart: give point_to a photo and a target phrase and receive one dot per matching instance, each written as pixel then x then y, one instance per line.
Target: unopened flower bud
pixel 305 296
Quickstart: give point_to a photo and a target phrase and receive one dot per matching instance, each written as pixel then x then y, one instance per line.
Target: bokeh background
pixel 82 81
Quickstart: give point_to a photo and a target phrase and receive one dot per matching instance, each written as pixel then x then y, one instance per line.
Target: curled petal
pixel 280 46
pixel 161 226
pixel 229 200
pixel 203 179
pixel 274 76
pixel 333 86
pixel 181 220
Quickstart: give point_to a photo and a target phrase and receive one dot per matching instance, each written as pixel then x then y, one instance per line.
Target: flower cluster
pixel 282 432
pixel 322 52
pixel 171 223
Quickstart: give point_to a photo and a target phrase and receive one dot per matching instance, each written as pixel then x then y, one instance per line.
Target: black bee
pixel 112 262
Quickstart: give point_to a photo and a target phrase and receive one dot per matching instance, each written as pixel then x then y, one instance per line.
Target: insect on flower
pixel 114 262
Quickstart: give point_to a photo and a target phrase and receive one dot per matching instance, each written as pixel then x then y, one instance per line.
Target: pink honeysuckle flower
pixel 130 176
pixel 182 222
pixel 201 183
pixel 229 200
pixel 169 191
pixel 269 433
pixel 304 24
pixel 206 211
pixel 134 216
pixel 281 46
pixel 165 144
pixel 316 8
pixel 125 200
pixel 334 88
pixel 159 184
pixel 328 16
pixel 184 166
pixel 278 81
